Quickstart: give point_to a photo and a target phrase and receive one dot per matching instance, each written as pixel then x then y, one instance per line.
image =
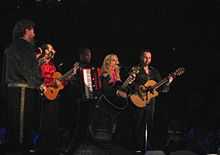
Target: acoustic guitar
pixel 52 91
pixel 149 90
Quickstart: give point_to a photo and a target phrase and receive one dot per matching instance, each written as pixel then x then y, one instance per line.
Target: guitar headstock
pixel 75 67
pixel 135 70
pixel 179 71
pixel 133 73
pixel 76 64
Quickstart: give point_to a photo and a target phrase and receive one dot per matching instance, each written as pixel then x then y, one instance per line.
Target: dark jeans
pixel 29 122
pixel 143 117
pixel 48 141
pixel 80 120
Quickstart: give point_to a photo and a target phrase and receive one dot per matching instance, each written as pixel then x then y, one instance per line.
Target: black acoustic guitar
pixel 116 101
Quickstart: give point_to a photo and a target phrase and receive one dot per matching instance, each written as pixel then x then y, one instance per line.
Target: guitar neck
pixel 178 72
pixel 125 84
pixel 62 78
pixel 159 84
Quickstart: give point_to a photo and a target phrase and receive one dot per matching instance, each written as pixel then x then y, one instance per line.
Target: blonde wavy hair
pixel 106 65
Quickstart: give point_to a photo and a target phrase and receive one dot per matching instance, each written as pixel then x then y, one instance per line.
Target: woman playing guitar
pixel 111 75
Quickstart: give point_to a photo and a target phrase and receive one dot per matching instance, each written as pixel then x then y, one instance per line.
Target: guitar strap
pixel 109 108
pixel 104 99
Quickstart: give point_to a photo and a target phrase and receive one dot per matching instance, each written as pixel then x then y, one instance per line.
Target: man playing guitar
pixel 143 117
pixel 49 108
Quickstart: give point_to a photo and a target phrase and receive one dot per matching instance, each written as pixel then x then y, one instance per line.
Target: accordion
pixel 91 82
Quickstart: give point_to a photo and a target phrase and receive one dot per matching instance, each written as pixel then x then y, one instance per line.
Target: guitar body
pixel 143 97
pixel 117 103
pixel 52 92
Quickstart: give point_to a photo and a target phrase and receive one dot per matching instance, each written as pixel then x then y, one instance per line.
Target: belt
pixel 21 85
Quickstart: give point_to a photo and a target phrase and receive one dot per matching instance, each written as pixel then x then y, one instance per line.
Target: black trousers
pixel 20 128
pixel 79 133
pixel 49 125
pixel 83 119
pixel 94 123
pixel 143 120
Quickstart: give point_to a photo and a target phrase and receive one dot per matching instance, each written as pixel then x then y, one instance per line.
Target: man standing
pixel 144 117
pixel 23 82
pixel 81 98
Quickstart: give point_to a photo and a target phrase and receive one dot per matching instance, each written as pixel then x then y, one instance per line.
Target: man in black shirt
pixel 143 117
pixel 23 81
pixel 81 98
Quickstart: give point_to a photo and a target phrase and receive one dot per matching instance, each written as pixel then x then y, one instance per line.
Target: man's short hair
pixel 81 51
pixel 20 26
pixel 145 50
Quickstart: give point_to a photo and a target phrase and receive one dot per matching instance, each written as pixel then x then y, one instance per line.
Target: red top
pixel 113 76
pixel 47 71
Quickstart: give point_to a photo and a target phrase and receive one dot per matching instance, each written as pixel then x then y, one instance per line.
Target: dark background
pixel 180 33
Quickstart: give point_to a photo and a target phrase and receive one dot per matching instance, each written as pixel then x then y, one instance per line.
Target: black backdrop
pixel 181 34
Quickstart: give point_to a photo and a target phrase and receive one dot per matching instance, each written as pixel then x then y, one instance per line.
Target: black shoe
pixel 139 152
pixel 29 152
pixel 64 152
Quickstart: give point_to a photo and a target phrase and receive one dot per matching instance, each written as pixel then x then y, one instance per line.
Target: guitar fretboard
pixel 72 72
pixel 130 79
pixel 178 72
pixel 126 82
pixel 159 84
